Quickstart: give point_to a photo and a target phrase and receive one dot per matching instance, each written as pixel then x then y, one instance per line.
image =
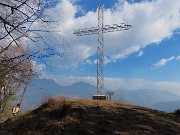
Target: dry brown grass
pixel 65 116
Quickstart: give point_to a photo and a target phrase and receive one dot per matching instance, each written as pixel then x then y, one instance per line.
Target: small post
pixel 110 93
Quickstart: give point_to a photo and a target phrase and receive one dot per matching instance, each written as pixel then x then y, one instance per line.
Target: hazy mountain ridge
pixel 40 88
pixel 146 97
pixel 167 106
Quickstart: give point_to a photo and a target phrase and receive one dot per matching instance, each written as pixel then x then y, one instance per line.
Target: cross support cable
pixel 100 30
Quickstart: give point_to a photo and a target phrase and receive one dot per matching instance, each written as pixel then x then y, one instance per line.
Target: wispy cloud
pixel 106 61
pixel 140 54
pixel 38 67
pixel 178 57
pixel 163 62
pixel 152 22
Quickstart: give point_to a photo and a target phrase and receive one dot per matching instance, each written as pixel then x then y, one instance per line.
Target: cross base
pixel 99 97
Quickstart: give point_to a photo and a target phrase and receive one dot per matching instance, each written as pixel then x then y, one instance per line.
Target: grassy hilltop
pixel 61 116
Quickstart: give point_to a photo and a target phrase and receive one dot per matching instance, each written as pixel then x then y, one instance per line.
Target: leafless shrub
pixel 17 21
pixel 177 112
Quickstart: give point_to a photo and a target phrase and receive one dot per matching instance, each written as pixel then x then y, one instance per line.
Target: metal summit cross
pixel 100 30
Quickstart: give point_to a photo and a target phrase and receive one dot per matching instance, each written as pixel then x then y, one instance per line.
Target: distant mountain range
pixel 40 88
pixel 167 106
pixel 145 97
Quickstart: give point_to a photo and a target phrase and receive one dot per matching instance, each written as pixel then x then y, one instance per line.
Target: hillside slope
pixel 60 116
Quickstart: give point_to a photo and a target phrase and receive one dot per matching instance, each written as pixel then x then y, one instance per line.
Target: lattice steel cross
pixel 100 30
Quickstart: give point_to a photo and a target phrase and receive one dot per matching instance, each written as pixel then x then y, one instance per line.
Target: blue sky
pixel 145 57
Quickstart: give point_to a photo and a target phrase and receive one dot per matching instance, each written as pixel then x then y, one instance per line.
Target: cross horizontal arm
pixel 86 31
pixel 107 28
pixel 116 27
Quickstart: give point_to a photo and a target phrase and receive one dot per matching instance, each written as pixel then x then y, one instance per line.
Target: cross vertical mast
pixel 100 52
